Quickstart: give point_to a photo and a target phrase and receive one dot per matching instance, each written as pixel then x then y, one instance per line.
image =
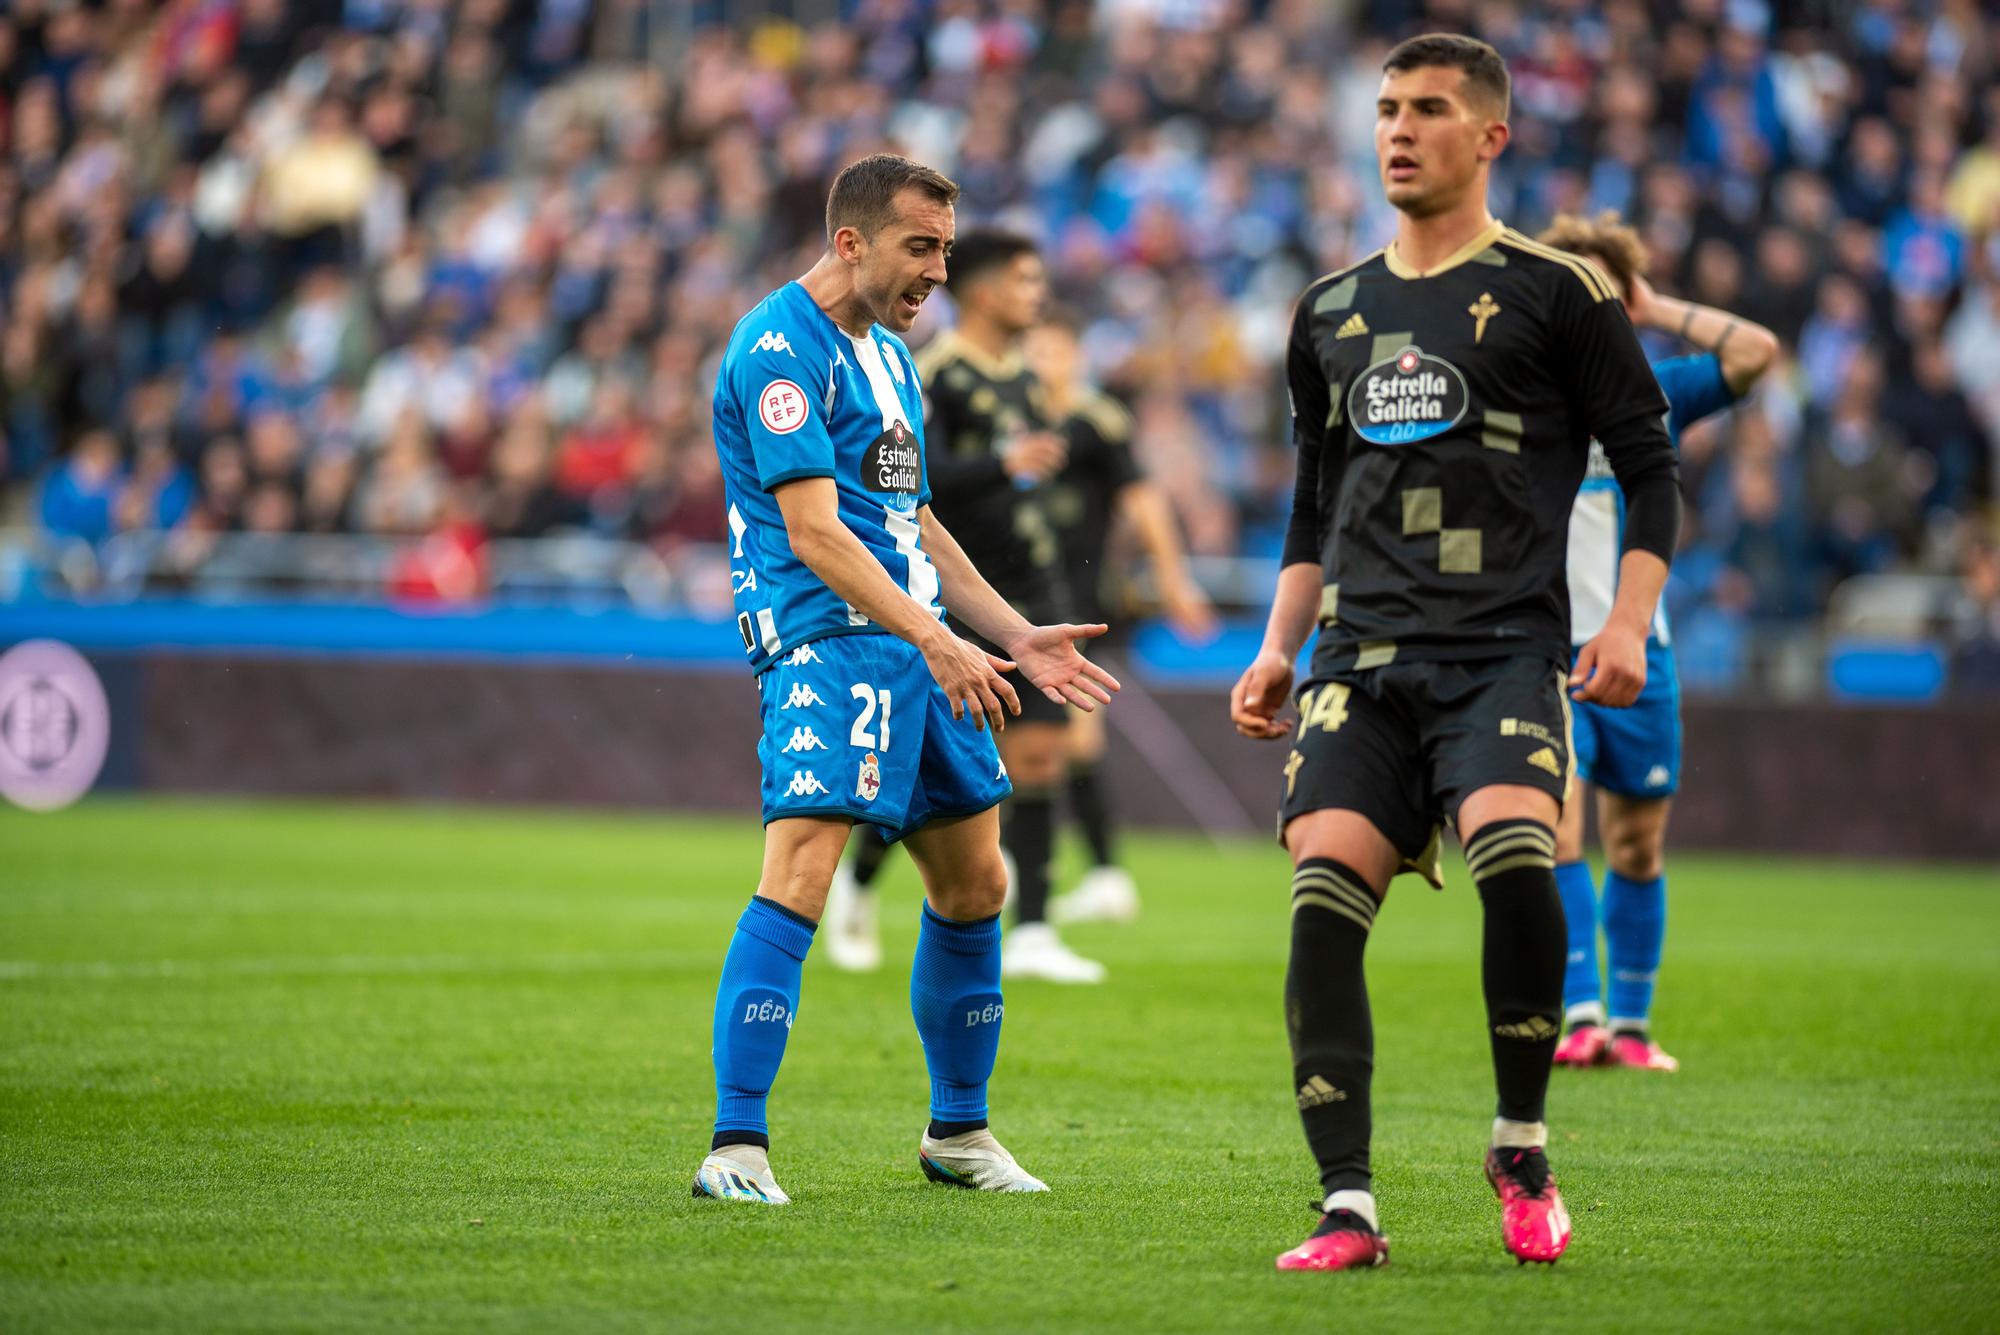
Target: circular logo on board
pixel 782 406
pixel 1407 397
pixel 55 725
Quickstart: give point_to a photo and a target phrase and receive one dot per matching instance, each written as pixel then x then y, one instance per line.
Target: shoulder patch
pixel 782 407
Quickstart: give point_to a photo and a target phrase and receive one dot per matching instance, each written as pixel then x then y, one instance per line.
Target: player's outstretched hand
pixel 1258 695
pixel 1048 657
pixel 971 680
pixel 1611 669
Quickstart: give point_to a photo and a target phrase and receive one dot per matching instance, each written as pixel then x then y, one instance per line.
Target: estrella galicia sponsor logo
pixel 893 462
pixel 1407 397
pixel 55 725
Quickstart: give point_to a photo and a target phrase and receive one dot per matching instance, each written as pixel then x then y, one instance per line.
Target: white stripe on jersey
pixel 923 585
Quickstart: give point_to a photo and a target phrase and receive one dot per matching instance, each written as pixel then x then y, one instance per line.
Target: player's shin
pixel 955 997
pixel 754 1008
pixel 870 851
pixel 1028 834
pixel 1513 863
pixel 1092 809
pixel 1332 1033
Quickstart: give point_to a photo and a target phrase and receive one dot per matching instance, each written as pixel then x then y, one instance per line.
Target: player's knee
pixel 979 892
pixel 1636 854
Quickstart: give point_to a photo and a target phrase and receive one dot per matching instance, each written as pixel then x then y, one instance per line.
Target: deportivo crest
pixel 773 342
pixel 869 781
pixel 893 461
pixel 802 697
pixel 1405 398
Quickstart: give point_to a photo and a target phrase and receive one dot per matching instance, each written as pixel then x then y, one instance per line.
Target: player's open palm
pixel 1048 657
pixel 1258 695
pixel 1610 669
pixel 970 678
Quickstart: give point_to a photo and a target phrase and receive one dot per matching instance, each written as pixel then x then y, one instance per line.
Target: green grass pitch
pixel 291 1067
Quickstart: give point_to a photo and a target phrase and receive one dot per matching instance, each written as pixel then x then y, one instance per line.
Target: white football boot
pixel 974 1160
pixel 1033 950
pixel 1105 894
pixel 739 1173
pixel 853 942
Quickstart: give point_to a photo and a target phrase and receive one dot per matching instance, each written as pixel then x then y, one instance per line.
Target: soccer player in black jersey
pixel 989 453
pixel 1100 486
pixel 1444 394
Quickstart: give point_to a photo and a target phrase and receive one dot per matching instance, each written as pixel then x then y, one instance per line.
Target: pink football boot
pixel 1533 1222
pixel 1583 1046
pixel 1638 1051
pixel 1343 1241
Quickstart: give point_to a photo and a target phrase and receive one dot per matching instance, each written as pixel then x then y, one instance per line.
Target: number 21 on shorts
pixel 1323 707
pixel 859 734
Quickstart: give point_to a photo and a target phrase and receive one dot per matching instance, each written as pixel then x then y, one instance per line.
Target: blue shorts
pixel 855 725
pixel 1635 752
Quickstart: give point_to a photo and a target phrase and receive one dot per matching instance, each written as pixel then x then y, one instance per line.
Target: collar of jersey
pixel 1002 368
pixel 1487 236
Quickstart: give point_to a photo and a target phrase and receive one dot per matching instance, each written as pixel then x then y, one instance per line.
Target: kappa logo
pixel 1546 759
pixel 1657 776
pixel 804 739
pixel 869 781
pixel 1355 326
pixel 772 342
pixel 1319 1091
pixel 802 697
pixel 1535 1029
pixel 801 656
pixel 805 783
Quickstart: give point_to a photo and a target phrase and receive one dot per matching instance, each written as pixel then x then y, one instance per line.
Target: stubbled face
pixel 899 266
pixel 1013 295
pixel 1431 139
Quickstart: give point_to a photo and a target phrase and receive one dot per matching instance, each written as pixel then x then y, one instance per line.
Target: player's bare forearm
pixel 1153 518
pixel 818 538
pixel 966 593
pixel 1611 669
pixel 1744 348
pixel 1294 611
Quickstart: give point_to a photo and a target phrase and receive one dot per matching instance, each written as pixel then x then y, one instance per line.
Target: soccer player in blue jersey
pixel 873 710
pixel 1633 756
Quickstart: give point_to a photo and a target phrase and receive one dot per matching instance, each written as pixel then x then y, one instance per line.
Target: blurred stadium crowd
pixel 461 268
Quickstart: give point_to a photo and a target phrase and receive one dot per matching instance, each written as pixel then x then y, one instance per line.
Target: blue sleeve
pixel 780 386
pixel 1694 388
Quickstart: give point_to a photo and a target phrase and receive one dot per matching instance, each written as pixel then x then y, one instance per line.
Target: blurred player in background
pixel 991 454
pixel 1632 756
pixel 1100 487
pixel 1445 391
pixel 873 708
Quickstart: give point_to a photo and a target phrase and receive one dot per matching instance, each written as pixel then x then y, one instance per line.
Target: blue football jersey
pixel 799 397
pixel 1695 389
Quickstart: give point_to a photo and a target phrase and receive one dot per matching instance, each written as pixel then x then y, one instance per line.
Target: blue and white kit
pixel 854 724
pixel 1634 752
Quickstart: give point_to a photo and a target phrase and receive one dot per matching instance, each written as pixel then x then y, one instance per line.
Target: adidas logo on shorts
pixel 1546 759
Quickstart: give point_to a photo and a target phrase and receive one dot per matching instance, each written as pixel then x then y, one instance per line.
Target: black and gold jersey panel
pixel 1452 411
pixel 976 406
pixel 1082 500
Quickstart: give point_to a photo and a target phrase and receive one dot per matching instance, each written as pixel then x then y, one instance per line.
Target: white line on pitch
pixel 305 966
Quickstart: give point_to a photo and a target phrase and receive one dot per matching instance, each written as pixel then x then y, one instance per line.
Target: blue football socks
pixel 1581 986
pixel 754 1008
pixel 955 997
pixel 1635 928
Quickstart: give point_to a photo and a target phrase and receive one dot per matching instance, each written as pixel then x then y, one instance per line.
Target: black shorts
pixel 1405 743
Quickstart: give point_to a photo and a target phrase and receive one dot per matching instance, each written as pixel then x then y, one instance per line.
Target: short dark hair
pixel 864 194
pixel 981 251
pixel 1484 69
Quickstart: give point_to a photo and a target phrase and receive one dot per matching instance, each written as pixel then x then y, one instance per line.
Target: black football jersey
pixel 1081 501
pixel 976 406
pixel 1443 421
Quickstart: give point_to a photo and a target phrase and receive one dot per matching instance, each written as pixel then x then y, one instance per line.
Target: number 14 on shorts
pixel 1323 707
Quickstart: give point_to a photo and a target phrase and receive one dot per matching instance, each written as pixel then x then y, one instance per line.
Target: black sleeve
pixel 1304 537
pixel 954 476
pixel 1619 401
